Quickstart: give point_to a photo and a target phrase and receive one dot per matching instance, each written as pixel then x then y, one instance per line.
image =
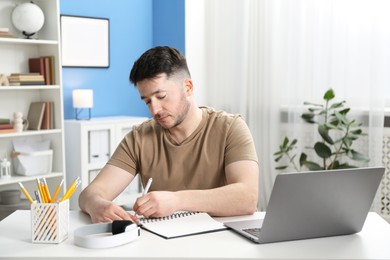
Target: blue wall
pixel 169 23
pixel 135 26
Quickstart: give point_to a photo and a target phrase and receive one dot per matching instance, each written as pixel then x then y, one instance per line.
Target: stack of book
pixel 6 126
pixel 19 79
pixel 4 32
pixel 41 115
pixel 44 66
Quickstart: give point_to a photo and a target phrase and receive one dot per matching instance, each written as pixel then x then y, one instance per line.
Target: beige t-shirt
pixel 197 163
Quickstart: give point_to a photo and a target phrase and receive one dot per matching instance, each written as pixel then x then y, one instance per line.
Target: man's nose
pixel 154 107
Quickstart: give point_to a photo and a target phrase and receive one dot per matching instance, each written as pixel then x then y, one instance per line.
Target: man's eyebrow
pixel 153 93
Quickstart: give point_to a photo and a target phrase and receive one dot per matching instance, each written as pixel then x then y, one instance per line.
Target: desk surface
pixel 371 243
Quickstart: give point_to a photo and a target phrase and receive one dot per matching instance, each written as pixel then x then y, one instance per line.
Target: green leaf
pixel 281 167
pixel 357 132
pixel 278 158
pixel 302 159
pixel 312 104
pixel 278 153
pixel 337 105
pixel 329 95
pixel 356 156
pixel 322 150
pixel 341 118
pixel 323 131
pixel 344 111
pixel 285 142
pixel 347 142
pixel 293 142
pixel 308 117
pixel 312 166
pixel 331 126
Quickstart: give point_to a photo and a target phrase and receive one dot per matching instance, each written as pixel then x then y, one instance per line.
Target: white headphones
pixel 93 236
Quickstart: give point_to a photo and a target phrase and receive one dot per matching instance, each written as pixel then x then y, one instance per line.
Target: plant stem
pixel 292 161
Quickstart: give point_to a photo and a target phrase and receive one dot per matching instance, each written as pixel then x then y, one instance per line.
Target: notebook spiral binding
pixel 173 216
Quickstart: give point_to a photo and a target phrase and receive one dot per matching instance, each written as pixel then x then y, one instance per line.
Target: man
pixel 199 159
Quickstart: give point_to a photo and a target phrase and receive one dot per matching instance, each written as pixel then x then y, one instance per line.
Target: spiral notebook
pixel 182 224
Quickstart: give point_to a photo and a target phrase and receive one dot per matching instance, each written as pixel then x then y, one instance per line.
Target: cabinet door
pixel 99 145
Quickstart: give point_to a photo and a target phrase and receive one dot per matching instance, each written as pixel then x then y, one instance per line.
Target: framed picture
pixel 85 41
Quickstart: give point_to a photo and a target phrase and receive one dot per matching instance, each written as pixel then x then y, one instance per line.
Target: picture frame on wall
pixel 85 41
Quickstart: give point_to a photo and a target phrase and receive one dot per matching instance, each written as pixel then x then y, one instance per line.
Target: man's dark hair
pixel 160 59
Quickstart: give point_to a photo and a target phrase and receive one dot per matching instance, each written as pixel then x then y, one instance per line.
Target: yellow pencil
pixel 25 192
pixel 57 191
pixel 46 188
pixel 71 189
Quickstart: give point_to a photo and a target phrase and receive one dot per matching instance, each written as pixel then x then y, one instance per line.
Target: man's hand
pixel 156 204
pixel 107 211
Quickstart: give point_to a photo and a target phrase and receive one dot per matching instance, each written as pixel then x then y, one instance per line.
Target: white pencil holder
pixel 49 222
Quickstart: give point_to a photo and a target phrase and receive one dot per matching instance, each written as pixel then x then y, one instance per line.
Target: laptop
pixel 314 204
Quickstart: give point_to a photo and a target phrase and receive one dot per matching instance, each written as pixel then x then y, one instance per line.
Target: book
pixel 5 121
pixel 52 69
pixel 47 120
pixel 26 83
pixel 26 77
pixel 38 65
pixel 47 73
pixel 6 126
pixel 182 224
pixel 35 115
pixel 6 131
pixel 7 35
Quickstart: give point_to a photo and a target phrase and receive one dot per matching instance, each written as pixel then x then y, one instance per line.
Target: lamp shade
pixel 82 98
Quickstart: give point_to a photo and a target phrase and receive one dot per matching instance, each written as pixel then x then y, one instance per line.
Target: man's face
pixel 166 99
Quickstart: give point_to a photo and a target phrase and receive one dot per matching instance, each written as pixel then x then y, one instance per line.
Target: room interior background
pixel 264 58
pixel 259 58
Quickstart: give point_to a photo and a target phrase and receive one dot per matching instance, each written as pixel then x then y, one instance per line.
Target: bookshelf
pixel 15 54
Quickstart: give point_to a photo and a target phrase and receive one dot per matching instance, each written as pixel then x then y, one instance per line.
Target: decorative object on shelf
pixel 28 18
pixel 5 168
pixel 18 122
pixel 4 80
pixel 82 98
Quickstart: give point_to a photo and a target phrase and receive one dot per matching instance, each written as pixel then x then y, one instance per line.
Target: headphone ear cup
pixel 119 226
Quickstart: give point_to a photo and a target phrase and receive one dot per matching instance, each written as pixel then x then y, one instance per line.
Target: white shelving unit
pixel 14 55
pixel 89 145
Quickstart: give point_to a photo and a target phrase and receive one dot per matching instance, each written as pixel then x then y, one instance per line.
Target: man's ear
pixel 188 87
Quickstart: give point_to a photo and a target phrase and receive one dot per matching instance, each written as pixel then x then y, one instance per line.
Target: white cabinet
pixel 89 145
pixel 14 56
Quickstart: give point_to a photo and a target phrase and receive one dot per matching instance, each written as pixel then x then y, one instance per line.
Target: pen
pixel 37 196
pixel 57 191
pixel 147 186
pixel 25 192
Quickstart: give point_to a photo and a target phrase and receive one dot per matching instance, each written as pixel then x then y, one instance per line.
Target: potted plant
pixel 337 134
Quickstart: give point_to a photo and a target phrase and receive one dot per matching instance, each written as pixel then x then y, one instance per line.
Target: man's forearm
pixel 230 200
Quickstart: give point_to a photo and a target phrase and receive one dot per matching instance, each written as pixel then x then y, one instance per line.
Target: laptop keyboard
pixel 253 231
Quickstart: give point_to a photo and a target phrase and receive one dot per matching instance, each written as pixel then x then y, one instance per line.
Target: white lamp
pixel 82 98
pixel 28 18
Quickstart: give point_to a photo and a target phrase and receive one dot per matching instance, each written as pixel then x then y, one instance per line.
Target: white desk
pixel 373 242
